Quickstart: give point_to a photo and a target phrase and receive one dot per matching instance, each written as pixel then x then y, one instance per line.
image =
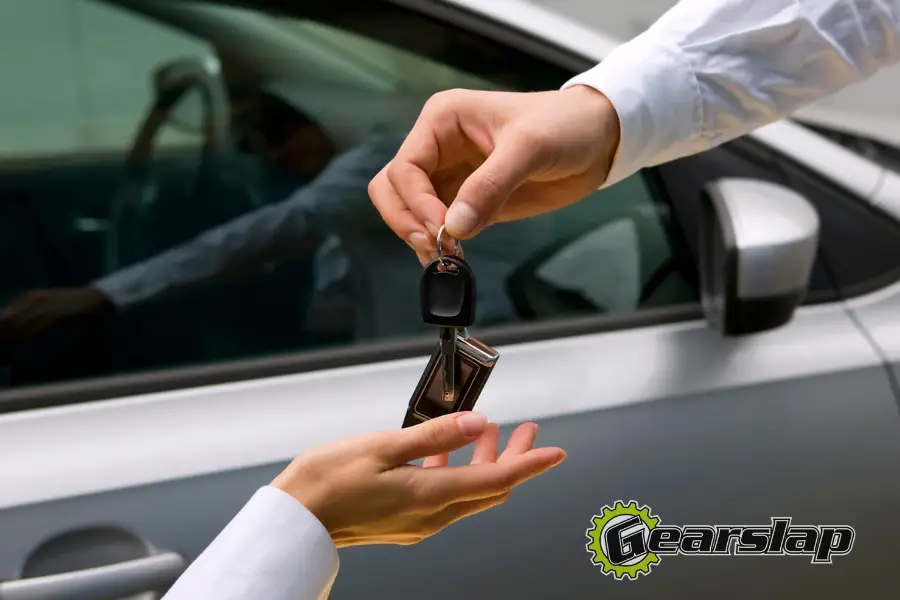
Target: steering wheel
pixel 150 212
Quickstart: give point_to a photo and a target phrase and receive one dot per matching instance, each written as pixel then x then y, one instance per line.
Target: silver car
pixel 716 339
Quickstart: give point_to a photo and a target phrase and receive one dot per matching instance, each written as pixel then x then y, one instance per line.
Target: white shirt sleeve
pixel 274 549
pixel 709 71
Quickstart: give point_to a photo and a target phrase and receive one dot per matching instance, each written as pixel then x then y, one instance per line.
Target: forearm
pixel 273 549
pixel 273 233
pixel 335 203
pixel 710 71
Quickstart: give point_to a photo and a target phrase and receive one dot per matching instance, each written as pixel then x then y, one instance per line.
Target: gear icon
pixel 610 515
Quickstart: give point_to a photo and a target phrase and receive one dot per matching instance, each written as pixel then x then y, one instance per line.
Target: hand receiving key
pixel 460 364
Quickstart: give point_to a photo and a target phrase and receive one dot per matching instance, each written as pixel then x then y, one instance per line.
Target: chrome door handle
pixel 100 583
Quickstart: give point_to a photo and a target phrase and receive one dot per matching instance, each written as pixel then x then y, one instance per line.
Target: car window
pixel 612 253
pixel 858 247
pixel 263 244
pixel 85 85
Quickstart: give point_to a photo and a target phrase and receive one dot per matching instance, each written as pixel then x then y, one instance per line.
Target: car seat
pixel 627 201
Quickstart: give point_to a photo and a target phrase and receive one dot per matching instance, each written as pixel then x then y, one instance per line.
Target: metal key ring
pixel 440 245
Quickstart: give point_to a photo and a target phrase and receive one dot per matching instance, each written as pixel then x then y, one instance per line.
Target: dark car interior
pixel 65 222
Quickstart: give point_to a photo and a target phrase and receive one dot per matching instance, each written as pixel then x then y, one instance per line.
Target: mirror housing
pixel 758 243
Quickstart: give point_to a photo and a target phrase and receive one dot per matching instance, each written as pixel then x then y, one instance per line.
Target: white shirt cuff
pixel 656 95
pixel 274 549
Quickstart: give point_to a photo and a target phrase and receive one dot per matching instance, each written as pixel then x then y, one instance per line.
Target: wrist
pixel 300 482
pixel 100 301
pixel 599 110
pixel 93 300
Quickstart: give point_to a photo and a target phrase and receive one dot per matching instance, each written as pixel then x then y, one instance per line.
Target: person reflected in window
pixel 331 218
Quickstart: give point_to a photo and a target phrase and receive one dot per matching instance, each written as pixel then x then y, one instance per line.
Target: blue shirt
pixel 383 271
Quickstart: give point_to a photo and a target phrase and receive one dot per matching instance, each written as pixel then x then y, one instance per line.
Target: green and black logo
pixel 627 540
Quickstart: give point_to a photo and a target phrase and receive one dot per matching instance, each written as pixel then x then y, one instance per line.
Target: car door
pixel 141 462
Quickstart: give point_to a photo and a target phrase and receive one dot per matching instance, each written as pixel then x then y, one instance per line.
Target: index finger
pixel 398 217
pixel 410 176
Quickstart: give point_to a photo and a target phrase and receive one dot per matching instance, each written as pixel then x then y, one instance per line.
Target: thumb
pixel 485 191
pixel 436 436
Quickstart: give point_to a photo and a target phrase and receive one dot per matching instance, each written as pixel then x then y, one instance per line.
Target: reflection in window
pixel 264 241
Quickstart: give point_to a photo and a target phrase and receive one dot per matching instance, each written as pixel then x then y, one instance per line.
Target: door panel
pixel 174 467
pixel 879 314
pixel 180 516
pixel 156 437
pixel 822 450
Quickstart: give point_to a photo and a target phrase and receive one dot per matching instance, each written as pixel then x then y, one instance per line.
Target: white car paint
pixel 887 194
pixel 549 25
pixel 879 313
pixel 155 437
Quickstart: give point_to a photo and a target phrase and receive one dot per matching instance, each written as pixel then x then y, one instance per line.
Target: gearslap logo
pixel 626 540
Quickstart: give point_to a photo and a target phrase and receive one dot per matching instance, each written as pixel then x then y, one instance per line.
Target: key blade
pixel 448 351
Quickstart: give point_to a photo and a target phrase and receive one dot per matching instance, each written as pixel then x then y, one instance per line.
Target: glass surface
pixel 131 243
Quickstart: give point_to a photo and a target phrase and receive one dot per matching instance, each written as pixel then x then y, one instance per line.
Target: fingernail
pixel 559 458
pixel 461 219
pixel 420 242
pixel 471 424
pixel 432 229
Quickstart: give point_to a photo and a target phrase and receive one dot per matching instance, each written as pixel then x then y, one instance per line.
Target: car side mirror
pixel 758 243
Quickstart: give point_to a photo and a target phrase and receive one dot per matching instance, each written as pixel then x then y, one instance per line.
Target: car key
pixel 448 354
pixel 460 365
pixel 475 361
pixel 448 300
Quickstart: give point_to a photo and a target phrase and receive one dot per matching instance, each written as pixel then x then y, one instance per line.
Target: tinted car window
pixel 150 257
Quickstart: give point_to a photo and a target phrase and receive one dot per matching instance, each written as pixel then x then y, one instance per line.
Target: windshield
pixel 385 66
pixel 327 69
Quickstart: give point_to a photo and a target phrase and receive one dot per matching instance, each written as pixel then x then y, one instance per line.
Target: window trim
pixel 179 378
pixel 133 384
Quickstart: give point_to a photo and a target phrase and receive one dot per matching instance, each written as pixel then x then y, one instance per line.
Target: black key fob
pixel 460 365
pixel 447 292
